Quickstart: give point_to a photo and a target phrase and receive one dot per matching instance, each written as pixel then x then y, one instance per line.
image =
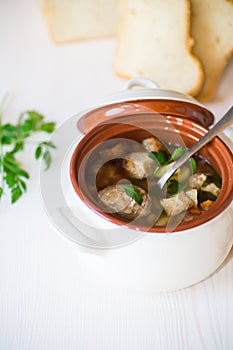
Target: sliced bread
pixel 71 20
pixel 154 42
pixel 212 29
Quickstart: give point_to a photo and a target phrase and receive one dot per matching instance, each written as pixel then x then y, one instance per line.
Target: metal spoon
pixel 225 121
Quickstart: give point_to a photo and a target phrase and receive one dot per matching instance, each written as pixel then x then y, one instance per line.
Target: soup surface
pixel 122 178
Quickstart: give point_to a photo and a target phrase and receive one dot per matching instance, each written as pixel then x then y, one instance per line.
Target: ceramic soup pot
pixel 155 258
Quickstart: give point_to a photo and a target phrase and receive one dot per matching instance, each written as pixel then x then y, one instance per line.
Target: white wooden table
pixel 49 299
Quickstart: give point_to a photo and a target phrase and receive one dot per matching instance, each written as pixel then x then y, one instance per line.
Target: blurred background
pixel 58 80
pixel 62 79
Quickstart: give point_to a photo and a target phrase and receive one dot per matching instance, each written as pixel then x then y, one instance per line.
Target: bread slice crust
pixel 212 28
pixel 141 35
pixel 78 20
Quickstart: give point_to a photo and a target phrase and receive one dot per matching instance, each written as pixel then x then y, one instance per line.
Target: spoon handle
pixel 225 121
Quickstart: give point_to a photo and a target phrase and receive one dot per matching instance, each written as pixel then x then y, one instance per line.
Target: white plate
pixel 69 215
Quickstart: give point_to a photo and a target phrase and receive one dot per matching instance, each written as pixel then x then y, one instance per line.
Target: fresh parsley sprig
pixel 133 193
pixel 175 187
pixel 159 156
pixel 163 160
pixel 13 138
pixel 42 151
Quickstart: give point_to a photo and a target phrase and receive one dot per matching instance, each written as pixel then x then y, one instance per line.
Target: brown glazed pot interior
pixel 163 106
pixel 170 130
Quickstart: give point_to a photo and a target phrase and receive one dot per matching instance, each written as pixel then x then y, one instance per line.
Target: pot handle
pixel 141 82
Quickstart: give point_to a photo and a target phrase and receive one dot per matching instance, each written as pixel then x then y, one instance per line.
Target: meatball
pixel 179 202
pixel 138 165
pixel 116 198
pixel 153 145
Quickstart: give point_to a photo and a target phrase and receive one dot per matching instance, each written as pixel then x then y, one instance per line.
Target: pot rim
pixel 103 112
pixel 151 92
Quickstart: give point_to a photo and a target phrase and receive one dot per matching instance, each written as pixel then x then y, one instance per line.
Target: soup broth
pixel 121 177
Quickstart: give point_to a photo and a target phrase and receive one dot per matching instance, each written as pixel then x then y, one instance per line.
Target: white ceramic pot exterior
pixel 154 261
pixel 161 262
